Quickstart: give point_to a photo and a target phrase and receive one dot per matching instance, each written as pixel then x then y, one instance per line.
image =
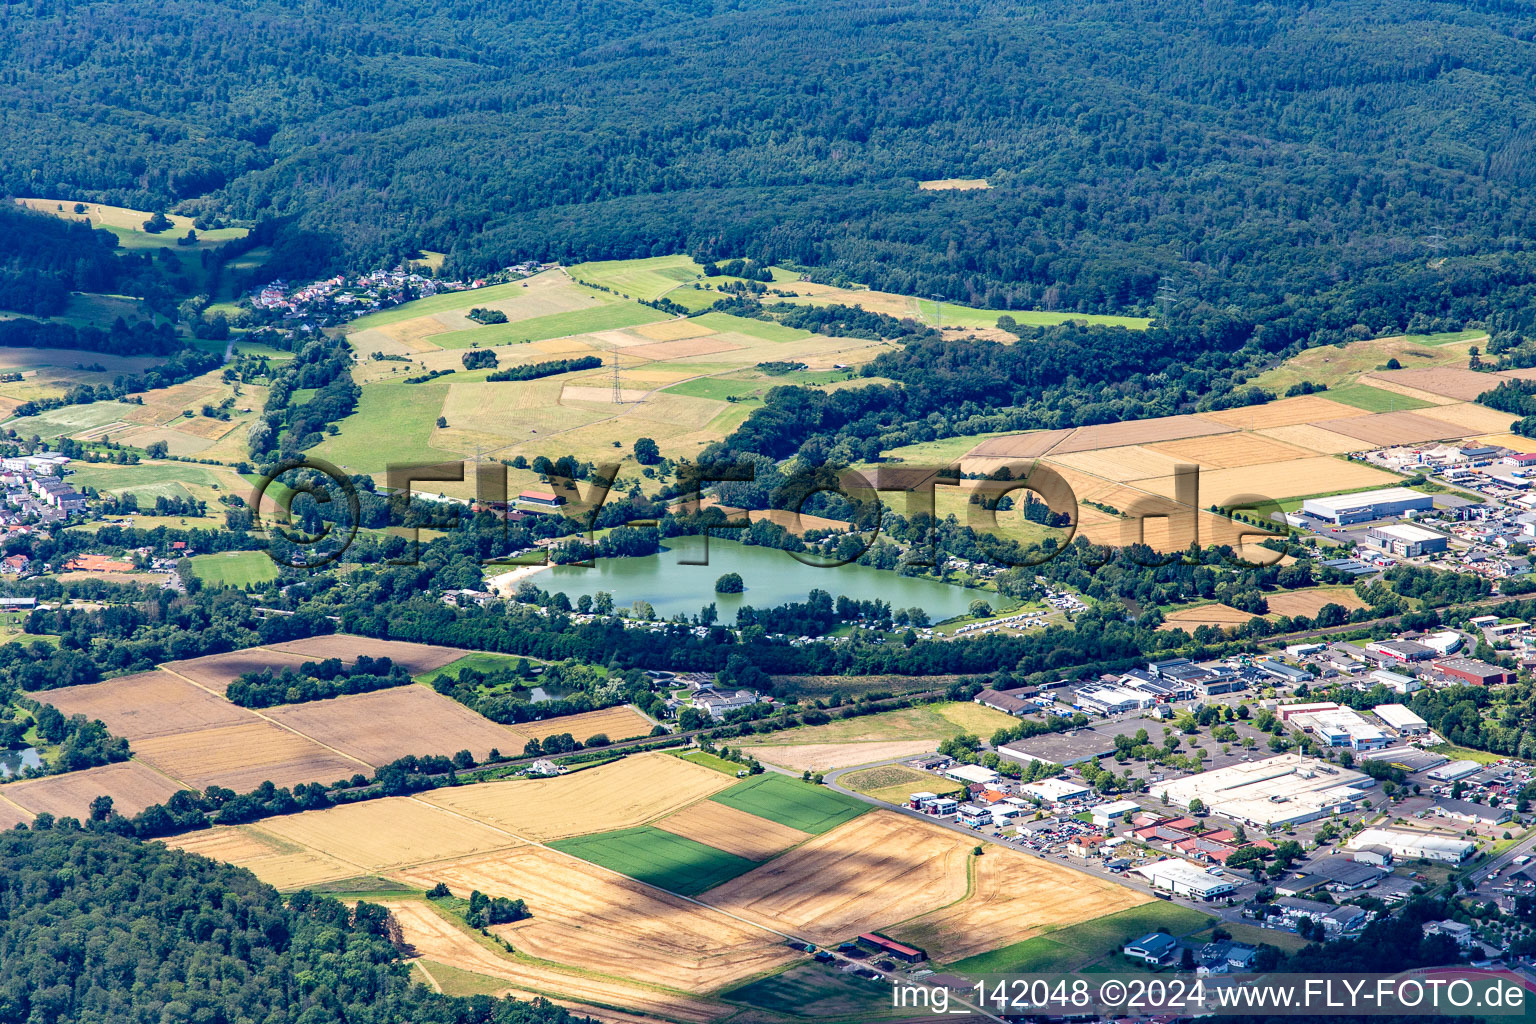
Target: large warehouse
pixel 1284 790
pixel 1387 503
pixel 1182 878
pixel 1414 845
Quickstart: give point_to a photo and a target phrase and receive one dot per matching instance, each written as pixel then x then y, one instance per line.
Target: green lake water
pixel 772 577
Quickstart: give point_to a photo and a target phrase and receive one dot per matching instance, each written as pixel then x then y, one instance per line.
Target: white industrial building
pixel 1414 845
pixel 1387 503
pixel 1108 815
pixel 1399 718
pixel 1442 643
pixel 1340 727
pixel 1453 771
pixel 1287 789
pixel 1111 700
pixel 1182 878
pixel 1396 681
pixel 1406 540
pixel 1054 791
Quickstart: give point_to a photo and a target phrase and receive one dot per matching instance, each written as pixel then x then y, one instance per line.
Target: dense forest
pixel 94 927
pixel 1142 153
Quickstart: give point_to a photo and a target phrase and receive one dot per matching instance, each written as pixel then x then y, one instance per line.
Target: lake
pixel 772 577
pixel 14 762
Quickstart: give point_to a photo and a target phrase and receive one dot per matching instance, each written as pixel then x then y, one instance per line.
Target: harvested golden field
pixel 581 393
pixel 1228 451
pixel 1513 442
pixel 589 917
pixel 673 330
pixel 242 757
pixel 386 725
pixel 953 184
pixel 878 869
pixel 275 861
pixel 1310 602
pixel 417 658
pixel 1456 382
pixel 217 671
pixel 616 795
pixel 1285 412
pixel 375 835
pixel 1304 435
pixel 1133 462
pixel 684 349
pixel 823 757
pixel 1471 417
pixel 1317 474
pixel 1026 445
pixel 1389 428
pixel 12 815
pixel 426 933
pixel 131 785
pixel 146 705
pixel 1014 897
pixel 1149 431
pixel 617 723
pixel 726 828
pixel 1219 615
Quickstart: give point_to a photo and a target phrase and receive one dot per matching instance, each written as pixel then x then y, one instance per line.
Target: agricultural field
pixel 50 372
pixel 1220 616
pixel 1013 897
pixel 799 805
pixel 150 479
pixel 622 722
pixel 146 705
pixel 216 671
pixel 275 861
pixel 235 568
pixel 894 783
pixel 818 992
pixel 735 832
pixel 658 857
pixel 131 785
pixel 375 836
pixel 1077 945
pixel 415 657
pixel 620 794
pixel 933 722
pixel 949 314
pixel 953 184
pixel 1309 602
pixel 243 756
pixel 868 874
pixel 825 757
pixel 386 725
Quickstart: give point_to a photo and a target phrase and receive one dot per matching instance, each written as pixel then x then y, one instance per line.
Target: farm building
pixel 881 944
pixel 1387 503
pixel 540 499
pixel 1399 718
pixel 1287 789
pixel 1414 845
pixel 1182 878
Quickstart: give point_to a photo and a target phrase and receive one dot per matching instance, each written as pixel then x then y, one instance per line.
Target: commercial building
pixel 1111 700
pixel 1396 681
pixel 1054 791
pixel 1108 815
pixel 1434 846
pixel 974 816
pixel 1182 878
pixel 971 774
pixel 1334 919
pixel 1453 771
pixel 1471 812
pixel 1007 703
pixel 1475 672
pixel 1387 503
pixel 1402 650
pixel 1287 789
pixel 1340 727
pixel 1155 948
pixel 1406 540
pixel 1401 720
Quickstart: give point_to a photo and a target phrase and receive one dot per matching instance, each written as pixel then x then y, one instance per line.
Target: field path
pixel 269 721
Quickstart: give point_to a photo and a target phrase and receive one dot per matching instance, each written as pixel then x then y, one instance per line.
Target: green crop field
pixel 667 861
pixel 393 423
pixel 607 317
pixel 951 314
pixel 1075 946
pixel 648 279
pixel 443 302
pixel 817 992
pixel 235 568
pixel 480 661
pixel 147 480
pixel 791 802
pixel 70 419
pixel 1363 396
pixel 764 329
pixel 709 760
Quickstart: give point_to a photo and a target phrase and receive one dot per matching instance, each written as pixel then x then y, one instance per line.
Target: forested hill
pixel 1236 152
pixel 95 927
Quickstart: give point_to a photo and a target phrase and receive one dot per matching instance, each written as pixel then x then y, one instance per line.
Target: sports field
pixel 235 568
pixel 657 857
pixel 800 805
